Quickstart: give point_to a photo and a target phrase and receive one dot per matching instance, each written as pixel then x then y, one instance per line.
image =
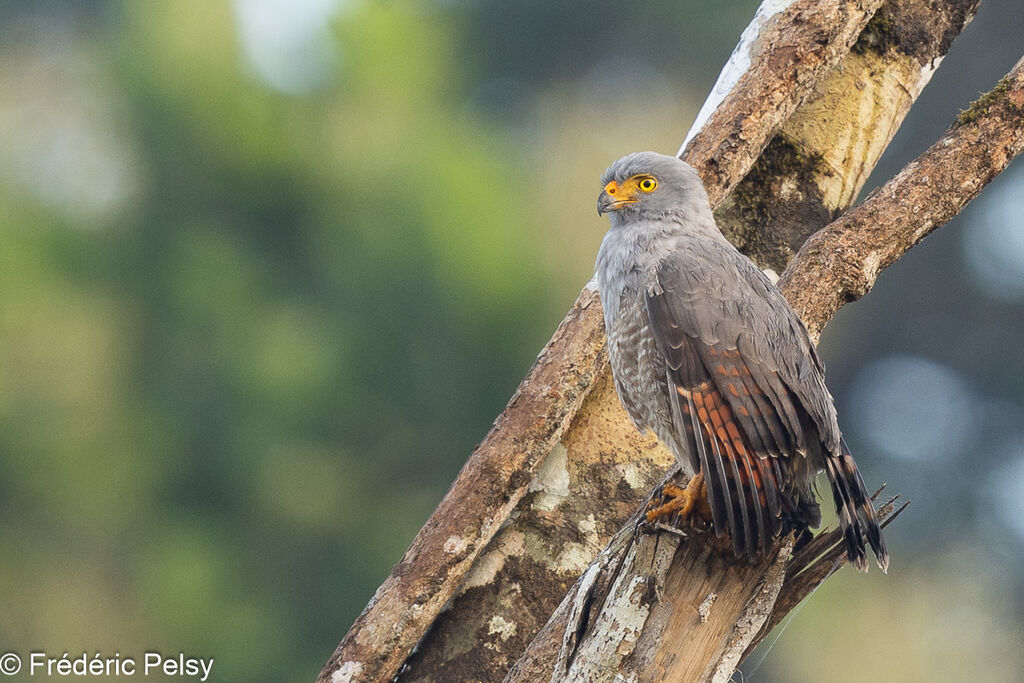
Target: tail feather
pixel 856 512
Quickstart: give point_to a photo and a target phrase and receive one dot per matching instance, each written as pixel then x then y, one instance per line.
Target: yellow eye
pixel 647 184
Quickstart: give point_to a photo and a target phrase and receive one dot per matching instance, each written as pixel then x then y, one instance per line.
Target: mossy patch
pixel 980 107
pixel 784 156
pixel 779 196
pixel 781 158
pixel 878 35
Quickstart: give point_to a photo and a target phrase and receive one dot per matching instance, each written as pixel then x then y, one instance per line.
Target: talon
pixel 688 502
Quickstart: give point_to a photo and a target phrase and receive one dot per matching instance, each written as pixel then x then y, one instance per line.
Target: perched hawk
pixel 706 352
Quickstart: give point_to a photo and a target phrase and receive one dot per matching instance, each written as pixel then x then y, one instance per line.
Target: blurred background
pixel 270 268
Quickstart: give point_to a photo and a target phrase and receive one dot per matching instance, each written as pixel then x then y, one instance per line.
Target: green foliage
pixel 228 407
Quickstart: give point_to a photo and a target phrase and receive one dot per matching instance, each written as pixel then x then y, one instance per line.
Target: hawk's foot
pixel 690 504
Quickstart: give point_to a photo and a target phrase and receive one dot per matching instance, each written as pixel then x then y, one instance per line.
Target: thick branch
pixel 840 263
pixel 490 485
pixel 787 54
pixel 545 438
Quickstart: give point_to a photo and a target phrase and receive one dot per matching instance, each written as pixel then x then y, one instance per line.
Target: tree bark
pixel 841 263
pixel 562 468
pixel 584 492
pixel 786 51
pixel 658 606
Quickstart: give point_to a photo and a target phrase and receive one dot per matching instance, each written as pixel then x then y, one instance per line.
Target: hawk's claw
pixel 688 504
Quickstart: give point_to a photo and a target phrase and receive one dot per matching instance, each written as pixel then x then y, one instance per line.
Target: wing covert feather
pixel 739 364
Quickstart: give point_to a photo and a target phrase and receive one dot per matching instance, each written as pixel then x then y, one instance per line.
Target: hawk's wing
pixel 747 388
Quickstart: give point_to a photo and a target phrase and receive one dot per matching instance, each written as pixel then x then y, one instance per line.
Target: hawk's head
pixel 648 184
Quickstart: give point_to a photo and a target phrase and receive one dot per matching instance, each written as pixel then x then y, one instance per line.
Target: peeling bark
pixel 549 540
pixel 507 539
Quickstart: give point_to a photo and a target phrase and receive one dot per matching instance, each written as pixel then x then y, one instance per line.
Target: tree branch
pixel 820 158
pixel 785 53
pixel 489 486
pixel 595 475
pixel 701 611
pixel 498 473
pixel 840 263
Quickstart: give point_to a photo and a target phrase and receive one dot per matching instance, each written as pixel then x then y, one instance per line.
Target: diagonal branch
pixel 840 263
pixel 593 477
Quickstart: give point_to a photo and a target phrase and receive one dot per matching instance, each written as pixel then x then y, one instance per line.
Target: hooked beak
pixel 614 197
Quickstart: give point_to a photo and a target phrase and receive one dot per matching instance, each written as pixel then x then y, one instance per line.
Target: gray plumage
pixel 707 353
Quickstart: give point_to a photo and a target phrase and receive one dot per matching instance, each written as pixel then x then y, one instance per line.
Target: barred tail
pixel 856 512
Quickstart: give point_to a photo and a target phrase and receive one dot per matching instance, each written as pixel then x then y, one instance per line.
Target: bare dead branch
pixel 592 479
pixel 658 607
